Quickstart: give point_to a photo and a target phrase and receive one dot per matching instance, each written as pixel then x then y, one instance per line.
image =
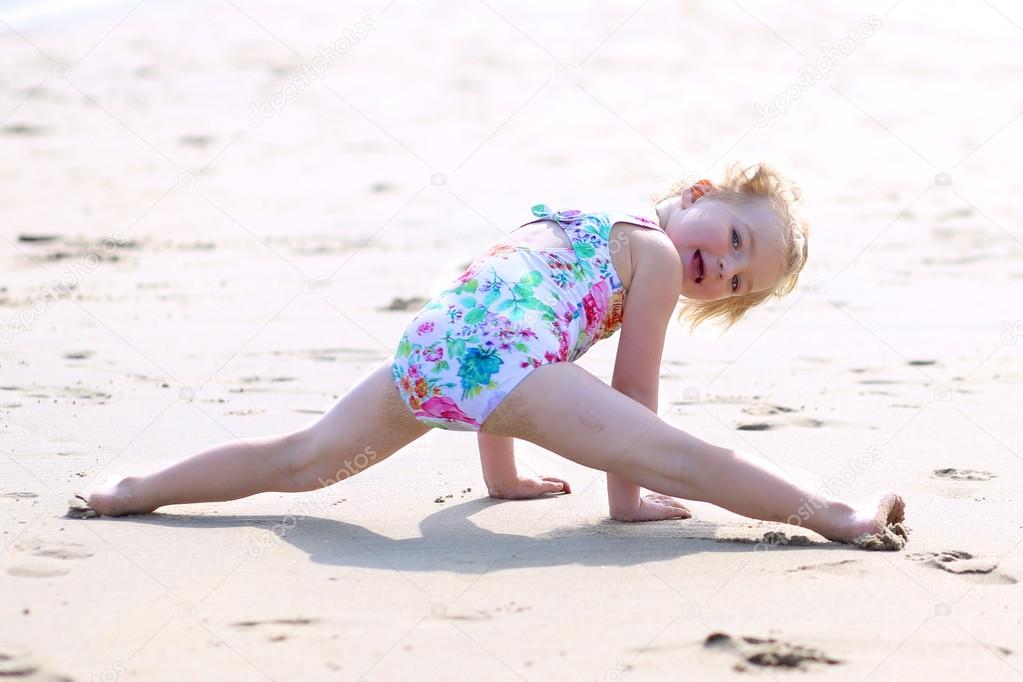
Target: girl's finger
pixel 676 511
pixel 565 486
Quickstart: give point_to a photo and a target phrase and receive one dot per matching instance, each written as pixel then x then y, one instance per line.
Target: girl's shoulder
pixel 635 245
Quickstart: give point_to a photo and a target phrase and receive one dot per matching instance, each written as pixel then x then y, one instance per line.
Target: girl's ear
pixel 691 194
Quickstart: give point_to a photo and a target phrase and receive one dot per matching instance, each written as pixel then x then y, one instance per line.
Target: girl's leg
pixel 565 409
pixel 365 427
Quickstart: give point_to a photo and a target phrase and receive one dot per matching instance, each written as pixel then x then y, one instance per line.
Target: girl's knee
pixel 323 459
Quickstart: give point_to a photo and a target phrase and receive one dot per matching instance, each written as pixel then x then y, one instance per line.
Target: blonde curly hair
pixel 745 181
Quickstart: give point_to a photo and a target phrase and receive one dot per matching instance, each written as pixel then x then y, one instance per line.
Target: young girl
pixel 494 354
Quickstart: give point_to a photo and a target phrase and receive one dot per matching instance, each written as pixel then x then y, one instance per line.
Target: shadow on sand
pixel 450 541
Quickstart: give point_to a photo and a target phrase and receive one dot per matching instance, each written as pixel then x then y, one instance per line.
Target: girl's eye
pixel 735 239
pixel 735 282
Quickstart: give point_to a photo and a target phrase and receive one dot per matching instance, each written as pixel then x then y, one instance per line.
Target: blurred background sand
pixel 214 215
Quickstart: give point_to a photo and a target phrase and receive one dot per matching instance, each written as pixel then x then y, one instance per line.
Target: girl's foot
pixel 117 499
pixel 876 524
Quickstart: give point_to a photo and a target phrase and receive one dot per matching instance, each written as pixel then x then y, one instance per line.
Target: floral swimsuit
pixel 514 309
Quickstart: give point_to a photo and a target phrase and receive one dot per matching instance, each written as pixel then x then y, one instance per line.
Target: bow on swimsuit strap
pixel 544 211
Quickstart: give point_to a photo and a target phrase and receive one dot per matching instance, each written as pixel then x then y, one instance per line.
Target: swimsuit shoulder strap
pixel 544 212
pixel 633 219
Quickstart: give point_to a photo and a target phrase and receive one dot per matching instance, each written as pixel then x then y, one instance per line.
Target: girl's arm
pixel 653 293
pixel 497 457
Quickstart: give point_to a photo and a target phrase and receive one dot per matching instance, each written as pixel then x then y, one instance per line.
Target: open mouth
pixel 697 266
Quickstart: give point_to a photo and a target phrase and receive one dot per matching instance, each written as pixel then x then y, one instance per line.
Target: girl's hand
pixel 655 507
pixel 695 191
pixel 527 488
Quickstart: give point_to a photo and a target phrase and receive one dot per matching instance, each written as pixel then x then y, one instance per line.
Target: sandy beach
pixel 217 218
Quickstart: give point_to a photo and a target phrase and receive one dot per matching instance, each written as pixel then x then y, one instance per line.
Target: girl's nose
pixel 725 267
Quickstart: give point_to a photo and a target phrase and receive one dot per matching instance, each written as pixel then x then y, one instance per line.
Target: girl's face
pixel 726 249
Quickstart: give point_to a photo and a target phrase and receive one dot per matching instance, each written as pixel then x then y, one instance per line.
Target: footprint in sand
pixel 37 238
pixel 954 214
pixel 766 410
pixel 46 559
pixel 37 570
pixel 20 495
pixel 766 653
pixel 844 567
pixel 259 379
pixel 755 426
pixel 793 420
pixel 277 629
pixel 978 569
pixel 195 140
pixel 963 474
pixel 411 303
pixel 807 422
pixel 274 621
pixel 17 663
pixel 23 129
